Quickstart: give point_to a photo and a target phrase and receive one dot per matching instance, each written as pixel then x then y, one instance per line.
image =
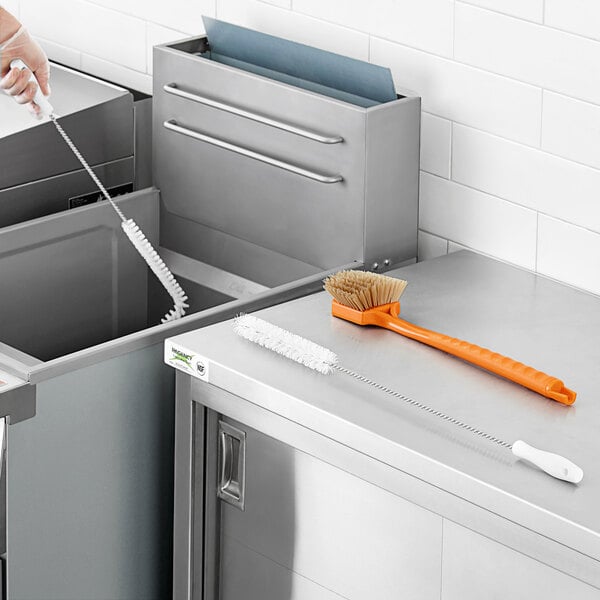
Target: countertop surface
pixel 549 326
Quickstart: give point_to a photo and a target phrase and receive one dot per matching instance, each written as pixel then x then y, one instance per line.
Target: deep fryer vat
pixel 72 281
pixel 80 319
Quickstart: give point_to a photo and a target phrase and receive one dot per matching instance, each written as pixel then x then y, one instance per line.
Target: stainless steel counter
pixel 532 319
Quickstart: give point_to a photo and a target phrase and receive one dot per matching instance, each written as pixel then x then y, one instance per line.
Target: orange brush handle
pixel 386 316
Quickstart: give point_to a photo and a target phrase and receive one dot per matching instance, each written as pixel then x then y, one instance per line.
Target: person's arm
pixel 15 42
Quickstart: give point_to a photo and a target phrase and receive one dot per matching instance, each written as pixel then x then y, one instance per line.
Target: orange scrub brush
pixel 372 299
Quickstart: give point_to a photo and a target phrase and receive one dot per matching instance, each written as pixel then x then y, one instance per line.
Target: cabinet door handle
pixel 175 90
pixel 197 135
pixel 232 465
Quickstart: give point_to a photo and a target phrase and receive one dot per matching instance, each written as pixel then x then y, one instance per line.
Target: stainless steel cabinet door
pixel 476 567
pixel 310 530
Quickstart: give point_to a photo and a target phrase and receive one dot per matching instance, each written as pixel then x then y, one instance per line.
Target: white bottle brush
pixel 325 361
pixel 133 232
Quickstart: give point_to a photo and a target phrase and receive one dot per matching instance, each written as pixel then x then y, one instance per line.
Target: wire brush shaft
pixel 137 238
pixel 133 232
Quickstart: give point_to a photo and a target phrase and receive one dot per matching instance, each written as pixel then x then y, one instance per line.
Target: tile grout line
pixel 512 202
pixel 544 12
pixel 522 144
pixel 450 153
pixel 541 23
pixel 542 119
pixel 537 239
pixel 454 30
pixel 146 48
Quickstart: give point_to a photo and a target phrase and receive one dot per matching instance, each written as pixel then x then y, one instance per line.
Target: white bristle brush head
pixel 155 262
pixel 287 344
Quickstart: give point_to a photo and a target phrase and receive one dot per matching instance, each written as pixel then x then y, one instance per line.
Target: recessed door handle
pixel 232 465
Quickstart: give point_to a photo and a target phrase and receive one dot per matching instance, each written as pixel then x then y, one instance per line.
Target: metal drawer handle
pixel 172 88
pixel 173 126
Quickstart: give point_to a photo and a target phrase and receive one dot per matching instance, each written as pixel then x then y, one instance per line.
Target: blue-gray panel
pixel 89 511
pixel 331 74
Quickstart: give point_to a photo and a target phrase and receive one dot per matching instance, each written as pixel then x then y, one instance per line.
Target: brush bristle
pixel 287 344
pixel 362 290
pixel 159 268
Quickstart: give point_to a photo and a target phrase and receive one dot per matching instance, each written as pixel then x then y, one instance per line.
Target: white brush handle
pixel 553 464
pixel 39 98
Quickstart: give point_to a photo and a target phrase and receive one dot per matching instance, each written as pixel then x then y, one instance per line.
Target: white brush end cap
pixel 553 464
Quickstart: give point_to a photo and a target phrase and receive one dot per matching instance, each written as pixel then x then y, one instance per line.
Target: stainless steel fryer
pixel 38 174
pixel 89 477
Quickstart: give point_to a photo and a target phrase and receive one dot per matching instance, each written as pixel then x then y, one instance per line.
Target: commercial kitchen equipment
pixel 293 484
pixel 89 478
pixel 39 175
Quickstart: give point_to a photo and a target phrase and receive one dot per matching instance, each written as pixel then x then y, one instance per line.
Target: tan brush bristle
pixel 362 290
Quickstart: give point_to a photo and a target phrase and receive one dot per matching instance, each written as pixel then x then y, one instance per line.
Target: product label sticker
pixel 187 361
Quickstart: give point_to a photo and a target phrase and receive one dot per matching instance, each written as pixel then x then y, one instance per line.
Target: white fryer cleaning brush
pixel 325 361
pixel 131 229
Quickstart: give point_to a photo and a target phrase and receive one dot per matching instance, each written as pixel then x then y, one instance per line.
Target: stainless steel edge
pixel 184 491
pixel 214 278
pixel 207 579
pixel 406 459
pixel 400 483
pixel 321 178
pixel 392 183
pixel 50 195
pixel 14 366
pixel 156 334
pixel 18 403
pixel 172 88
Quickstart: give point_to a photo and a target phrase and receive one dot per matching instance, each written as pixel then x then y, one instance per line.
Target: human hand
pixel 14 81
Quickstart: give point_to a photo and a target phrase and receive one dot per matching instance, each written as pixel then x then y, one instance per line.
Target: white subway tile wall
pixel 463 94
pixel 472 218
pixel 436 145
pixel 529 52
pixel 510 144
pixel 280 3
pixel 569 254
pixel 431 246
pixel 423 24
pixel 577 16
pixel 571 128
pixel 526 176
pixel 61 54
pixel 94 30
pixel 532 10
pixel 157 34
